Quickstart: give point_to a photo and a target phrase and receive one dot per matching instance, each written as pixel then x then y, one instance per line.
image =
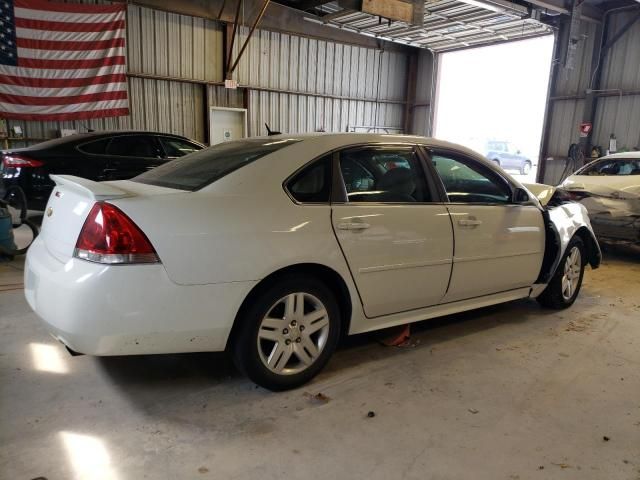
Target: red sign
pixel 585 129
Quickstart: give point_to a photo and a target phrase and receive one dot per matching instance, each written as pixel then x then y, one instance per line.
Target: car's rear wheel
pixel 496 161
pixel 565 285
pixel 525 168
pixel 288 333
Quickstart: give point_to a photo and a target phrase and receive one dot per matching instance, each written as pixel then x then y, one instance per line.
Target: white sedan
pixel 609 188
pixel 276 247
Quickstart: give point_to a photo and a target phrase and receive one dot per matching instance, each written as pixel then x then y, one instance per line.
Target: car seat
pixel 397 185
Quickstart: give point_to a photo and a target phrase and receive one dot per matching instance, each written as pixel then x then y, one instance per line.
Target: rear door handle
pixel 353 226
pixel 469 223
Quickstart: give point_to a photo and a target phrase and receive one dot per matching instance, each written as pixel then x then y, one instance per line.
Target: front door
pixel 499 245
pixel 398 245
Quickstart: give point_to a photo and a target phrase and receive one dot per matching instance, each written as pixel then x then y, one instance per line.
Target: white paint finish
pixel 568 218
pixel 127 309
pixel 442 310
pixel 70 203
pixel 230 239
pixel 497 248
pixel 615 186
pixel 216 243
pixel 542 192
pixel 402 261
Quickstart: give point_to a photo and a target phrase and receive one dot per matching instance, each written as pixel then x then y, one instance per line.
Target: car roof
pixel 349 138
pixel 634 154
pixel 77 138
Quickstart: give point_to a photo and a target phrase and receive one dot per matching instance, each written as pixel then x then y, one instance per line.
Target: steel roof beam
pixel 589 12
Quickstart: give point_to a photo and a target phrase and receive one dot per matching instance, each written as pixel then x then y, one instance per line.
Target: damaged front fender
pixel 563 221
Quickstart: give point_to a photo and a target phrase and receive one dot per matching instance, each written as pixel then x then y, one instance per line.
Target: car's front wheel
pixel 565 285
pixel 288 333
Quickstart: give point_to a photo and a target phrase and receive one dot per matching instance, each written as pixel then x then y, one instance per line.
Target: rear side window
pixel 383 174
pixel 133 146
pixel 98 147
pixel 197 170
pixel 626 166
pixel 174 147
pixel 313 183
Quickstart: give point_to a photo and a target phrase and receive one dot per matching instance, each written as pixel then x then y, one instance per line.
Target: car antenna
pixel 271 132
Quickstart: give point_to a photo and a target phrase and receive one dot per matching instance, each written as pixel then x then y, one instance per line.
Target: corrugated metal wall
pixel 621 70
pixel 566 114
pixel 421 124
pixel 299 84
pixel 173 45
pixel 614 114
pixel 295 84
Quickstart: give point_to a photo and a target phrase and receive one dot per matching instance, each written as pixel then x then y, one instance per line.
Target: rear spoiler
pixel 88 188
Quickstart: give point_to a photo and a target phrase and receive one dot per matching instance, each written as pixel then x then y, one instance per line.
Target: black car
pixel 96 156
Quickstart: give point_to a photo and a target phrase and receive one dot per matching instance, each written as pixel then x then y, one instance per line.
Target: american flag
pixel 62 61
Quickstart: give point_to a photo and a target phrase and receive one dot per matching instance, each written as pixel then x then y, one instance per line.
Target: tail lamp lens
pixel 110 236
pixel 20 161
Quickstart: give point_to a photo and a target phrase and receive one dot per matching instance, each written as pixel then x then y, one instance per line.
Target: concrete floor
pixel 508 392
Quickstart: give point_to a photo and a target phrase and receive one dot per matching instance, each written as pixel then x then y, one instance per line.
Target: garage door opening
pixel 492 100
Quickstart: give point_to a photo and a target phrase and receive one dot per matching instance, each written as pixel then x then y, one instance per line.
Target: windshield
pixel 609 167
pixel 196 170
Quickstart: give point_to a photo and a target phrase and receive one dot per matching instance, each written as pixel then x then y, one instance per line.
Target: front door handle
pixel 353 226
pixel 469 223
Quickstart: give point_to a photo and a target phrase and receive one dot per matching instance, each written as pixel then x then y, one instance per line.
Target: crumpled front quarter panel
pixel 568 218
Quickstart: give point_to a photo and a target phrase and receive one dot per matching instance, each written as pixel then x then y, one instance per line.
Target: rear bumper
pixel 128 309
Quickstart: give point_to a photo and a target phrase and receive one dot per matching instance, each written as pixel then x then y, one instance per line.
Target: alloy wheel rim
pixel 526 169
pixel 571 277
pixel 293 333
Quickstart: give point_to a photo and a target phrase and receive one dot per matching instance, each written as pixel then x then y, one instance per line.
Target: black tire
pixel 248 352
pixel 523 168
pixel 496 161
pixel 552 296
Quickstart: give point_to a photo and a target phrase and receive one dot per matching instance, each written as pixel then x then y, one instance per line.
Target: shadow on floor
pixel 620 253
pixel 147 378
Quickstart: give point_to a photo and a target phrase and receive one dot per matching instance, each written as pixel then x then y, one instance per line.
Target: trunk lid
pixel 70 203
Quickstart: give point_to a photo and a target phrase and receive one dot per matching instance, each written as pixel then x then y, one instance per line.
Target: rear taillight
pixel 20 161
pixel 109 236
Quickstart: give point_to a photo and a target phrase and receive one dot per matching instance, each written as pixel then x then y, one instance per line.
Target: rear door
pixel 131 155
pixel 499 244
pixel 397 243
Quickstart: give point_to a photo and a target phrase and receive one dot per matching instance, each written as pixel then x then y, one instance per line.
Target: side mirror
pixel 520 195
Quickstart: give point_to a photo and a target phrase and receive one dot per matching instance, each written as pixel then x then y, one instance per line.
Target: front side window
pixel 313 183
pixel 383 174
pixel 133 146
pixel 198 169
pixel 466 181
pixel 626 166
pixel 175 148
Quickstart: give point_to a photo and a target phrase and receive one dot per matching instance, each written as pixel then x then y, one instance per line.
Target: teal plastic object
pixel 7 243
